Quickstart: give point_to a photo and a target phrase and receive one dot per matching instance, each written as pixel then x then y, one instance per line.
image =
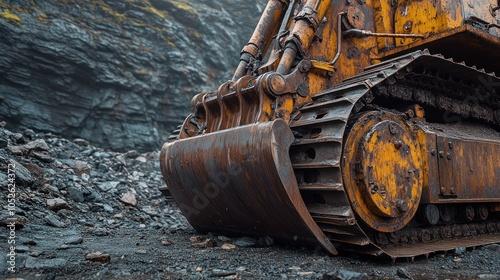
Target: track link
pixel 316 154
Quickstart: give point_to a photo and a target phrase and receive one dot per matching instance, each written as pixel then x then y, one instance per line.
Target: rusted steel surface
pixel 333 201
pixel 327 141
pixel 471 44
pixel 261 38
pixel 384 172
pixel 305 187
pixel 469 169
pixel 419 249
pixel 240 181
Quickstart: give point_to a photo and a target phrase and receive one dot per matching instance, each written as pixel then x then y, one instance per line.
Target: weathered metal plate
pixel 241 181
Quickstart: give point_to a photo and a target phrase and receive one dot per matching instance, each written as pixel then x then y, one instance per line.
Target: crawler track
pixel 321 127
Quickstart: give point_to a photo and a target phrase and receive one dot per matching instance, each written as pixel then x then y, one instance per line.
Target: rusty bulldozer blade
pixel 240 181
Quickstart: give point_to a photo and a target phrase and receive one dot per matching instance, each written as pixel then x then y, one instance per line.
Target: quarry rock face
pixel 119 74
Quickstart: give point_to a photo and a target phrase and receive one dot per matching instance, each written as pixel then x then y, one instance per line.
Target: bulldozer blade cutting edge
pixel 240 181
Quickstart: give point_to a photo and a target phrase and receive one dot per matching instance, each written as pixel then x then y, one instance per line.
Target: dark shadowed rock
pixel 75 194
pixel 7 217
pixel 35 263
pixel 266 241
pixel 106 186
pixel 222 273
pixel 38 145
pixel 54 221
pixel 246 242
pixel 23 176
pixel 345 275
pixel 118 73
pixel 81 142
pixel 22 249
pixel 74 240
pixel 3 143
pixel 493 247
pixel 403 273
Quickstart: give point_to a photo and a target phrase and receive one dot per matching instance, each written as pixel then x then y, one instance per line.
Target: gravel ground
pixel 85 213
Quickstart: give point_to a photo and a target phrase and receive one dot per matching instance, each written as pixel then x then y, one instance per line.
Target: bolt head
pixel 402 205
pixel 276 83
pixel 398 144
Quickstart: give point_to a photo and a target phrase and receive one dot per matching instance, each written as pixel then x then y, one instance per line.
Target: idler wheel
pixel 383 171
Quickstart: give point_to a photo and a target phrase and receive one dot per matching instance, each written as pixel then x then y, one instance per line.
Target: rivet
pixel 441 154
pixel 402 205
pixel 450 144
pixel 392 128
pixel 398 144
pixel 433 152
pixel 410 113
pixel 448 156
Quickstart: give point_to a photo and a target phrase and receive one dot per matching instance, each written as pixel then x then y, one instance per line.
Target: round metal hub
pixel 383 171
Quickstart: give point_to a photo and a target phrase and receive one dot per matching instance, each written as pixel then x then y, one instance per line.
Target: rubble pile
pixel 62 183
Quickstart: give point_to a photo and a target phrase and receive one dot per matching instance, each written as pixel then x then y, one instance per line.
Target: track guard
pixel 241 181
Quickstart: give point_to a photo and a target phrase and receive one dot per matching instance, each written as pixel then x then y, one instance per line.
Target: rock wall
pixel 119 73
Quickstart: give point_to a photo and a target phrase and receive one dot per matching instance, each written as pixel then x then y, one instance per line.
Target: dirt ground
pixel 145 253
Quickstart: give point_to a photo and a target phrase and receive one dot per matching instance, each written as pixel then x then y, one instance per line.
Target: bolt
pixel 448 155
pixel 398 144
pixel 276 83
pixel 392 128
pixel 450 145
pixel 433 152
pixel 402 205
pixel 441 154
pixel 382 191
pixel 304 66
pixel 408 25
pixel 410 113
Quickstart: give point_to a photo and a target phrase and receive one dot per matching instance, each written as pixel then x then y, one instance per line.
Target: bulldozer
pixel 361 126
